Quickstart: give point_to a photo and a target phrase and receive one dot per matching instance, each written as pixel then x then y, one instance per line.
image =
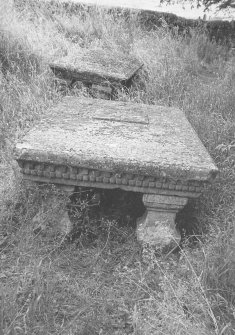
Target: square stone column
pixel 157 226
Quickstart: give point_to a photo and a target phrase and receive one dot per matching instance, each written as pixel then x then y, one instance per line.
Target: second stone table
pixel 102 71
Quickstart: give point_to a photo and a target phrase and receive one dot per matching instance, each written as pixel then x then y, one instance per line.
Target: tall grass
pixel 98 283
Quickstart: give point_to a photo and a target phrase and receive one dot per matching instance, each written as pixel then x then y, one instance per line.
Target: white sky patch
pixel 184 10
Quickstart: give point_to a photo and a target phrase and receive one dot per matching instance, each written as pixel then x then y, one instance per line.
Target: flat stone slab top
pixel 113 144
pixel 97 67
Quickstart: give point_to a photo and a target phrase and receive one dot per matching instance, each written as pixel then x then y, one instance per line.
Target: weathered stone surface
pixel 97 67
pixel 53 217
pixel 119 137
pixel 41 223
pixel 157 226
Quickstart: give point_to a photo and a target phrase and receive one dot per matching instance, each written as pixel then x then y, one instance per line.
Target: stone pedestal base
pixel 157 226
pixel 46 218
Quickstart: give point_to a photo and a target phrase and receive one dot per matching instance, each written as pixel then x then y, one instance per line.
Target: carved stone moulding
pixel 80 176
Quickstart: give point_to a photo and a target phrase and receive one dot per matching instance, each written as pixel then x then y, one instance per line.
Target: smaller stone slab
pixel 100 68
pixel 112 144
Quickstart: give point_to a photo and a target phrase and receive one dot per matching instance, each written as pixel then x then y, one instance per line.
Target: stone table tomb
pixel 134 147
pixel 100 70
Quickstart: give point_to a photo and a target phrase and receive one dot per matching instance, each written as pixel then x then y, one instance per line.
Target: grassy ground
pixel 97 282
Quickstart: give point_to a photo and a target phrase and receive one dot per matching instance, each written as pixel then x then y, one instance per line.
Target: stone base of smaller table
pixel 102 92
pixel 157 226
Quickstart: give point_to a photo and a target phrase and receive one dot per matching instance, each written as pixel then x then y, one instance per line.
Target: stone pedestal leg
pixel 49 216
pixel 157 226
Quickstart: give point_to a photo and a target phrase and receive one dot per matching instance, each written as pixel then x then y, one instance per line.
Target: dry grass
pixel 98 283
